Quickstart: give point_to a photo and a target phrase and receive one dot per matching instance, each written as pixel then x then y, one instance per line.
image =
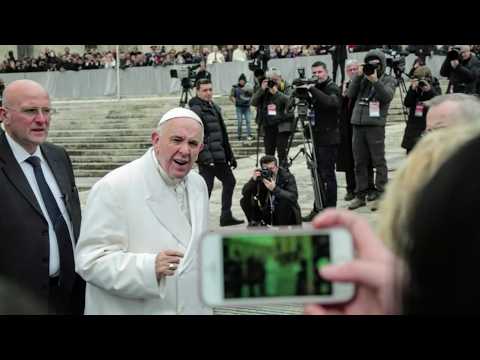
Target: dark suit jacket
pixel 24 242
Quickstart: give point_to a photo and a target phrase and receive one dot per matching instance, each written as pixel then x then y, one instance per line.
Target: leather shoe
pixel 310 216
pixel 372 196
pixel 349 197
pixel 356 203
pixel 229 221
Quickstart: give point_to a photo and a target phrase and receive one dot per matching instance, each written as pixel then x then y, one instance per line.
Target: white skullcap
pixel 179 112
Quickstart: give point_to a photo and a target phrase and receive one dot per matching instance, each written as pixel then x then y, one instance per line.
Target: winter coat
pixel 216 148
pixel 415 124
pixel 382 91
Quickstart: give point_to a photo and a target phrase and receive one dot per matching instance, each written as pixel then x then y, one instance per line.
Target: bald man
pixel 40 208
pixel 142 225
pixel 451 109
pixel 463 72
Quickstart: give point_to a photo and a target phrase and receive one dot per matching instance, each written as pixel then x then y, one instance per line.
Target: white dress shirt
pixel 21 155
pixel 178 187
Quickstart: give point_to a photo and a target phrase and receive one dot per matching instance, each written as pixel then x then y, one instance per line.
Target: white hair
pixel 350 62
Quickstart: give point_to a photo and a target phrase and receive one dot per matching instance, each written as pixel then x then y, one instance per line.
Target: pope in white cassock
pixel 142 225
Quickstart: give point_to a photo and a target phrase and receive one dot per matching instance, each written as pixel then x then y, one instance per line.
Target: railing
pixel 156 81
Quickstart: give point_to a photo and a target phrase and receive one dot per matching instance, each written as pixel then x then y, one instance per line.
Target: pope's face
pixel 177 145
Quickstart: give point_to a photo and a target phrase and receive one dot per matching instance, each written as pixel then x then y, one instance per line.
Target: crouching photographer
pixel 271 196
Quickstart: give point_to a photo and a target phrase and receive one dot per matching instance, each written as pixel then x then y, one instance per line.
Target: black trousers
pixel 326 157
pixel 283 214
pixel 368 144
pixel 224 173
pixel 350 179
pixel 275 140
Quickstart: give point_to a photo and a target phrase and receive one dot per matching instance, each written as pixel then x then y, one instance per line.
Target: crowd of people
pixel 49 60
pixel 132 250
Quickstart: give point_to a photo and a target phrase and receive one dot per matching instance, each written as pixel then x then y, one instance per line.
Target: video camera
pixel 396 61
pixel 186 75
pixel 454 54
pixel 300 91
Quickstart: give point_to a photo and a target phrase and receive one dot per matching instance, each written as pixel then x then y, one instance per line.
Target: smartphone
pixel 273 267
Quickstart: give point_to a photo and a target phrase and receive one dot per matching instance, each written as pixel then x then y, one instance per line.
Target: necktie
pixel 67 267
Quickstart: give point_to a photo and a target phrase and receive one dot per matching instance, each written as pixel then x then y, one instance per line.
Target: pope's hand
pixel 167 262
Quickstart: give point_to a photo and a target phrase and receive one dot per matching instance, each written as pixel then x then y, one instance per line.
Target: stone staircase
pixel 101 136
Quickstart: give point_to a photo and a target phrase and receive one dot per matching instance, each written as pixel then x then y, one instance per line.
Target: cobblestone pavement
pixel 394 154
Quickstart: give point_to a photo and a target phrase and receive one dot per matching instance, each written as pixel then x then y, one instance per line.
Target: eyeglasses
pixel 32 112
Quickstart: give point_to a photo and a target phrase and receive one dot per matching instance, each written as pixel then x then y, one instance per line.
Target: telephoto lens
pixel 369 69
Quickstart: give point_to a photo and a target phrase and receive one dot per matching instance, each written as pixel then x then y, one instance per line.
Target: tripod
pixel 186 91
pixel 308 150
pixel 402 88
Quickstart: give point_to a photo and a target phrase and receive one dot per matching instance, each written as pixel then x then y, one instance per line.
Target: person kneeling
pixel 271 196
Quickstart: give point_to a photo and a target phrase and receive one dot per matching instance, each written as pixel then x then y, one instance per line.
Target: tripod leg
pixel 258 143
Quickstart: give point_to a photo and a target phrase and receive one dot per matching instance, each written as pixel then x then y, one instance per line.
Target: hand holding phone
pixel 372 271
pixel 273 267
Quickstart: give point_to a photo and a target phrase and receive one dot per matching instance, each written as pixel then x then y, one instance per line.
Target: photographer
pixel 241 96
pixel 373 91
pixel 421 90
pixel 273 115
pixel 462 70
pixel 325 95
pixel 271 196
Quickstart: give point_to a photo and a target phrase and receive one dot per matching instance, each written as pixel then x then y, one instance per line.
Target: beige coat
pixel 130 217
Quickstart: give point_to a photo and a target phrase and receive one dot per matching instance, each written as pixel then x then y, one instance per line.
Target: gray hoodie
pixel 382 91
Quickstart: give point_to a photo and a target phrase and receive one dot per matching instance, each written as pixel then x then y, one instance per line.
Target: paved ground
pixel 394 153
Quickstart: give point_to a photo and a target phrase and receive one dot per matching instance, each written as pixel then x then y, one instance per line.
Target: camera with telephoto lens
pixel 454 54
pixel 423 82
pixel 186 75
pixel 369 69
pixel 271 83
pixel 266 174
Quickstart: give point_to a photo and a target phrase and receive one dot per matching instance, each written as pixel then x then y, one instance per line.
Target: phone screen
pixel 269 265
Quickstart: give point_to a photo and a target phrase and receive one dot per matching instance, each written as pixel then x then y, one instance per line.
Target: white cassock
pixel 132 214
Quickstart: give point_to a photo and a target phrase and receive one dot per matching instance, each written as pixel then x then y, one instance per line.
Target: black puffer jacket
pixel 464 77
pixel 326 104
pixel 216 148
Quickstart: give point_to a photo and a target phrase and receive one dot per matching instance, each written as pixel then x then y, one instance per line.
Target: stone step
pixel 83 159
pixel 99 133
pixel 103 145
pixel 98 166
pixel 106 152
pixel 99 139
pixel 102 125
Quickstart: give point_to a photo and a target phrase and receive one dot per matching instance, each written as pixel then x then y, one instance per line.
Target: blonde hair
pixel 422 163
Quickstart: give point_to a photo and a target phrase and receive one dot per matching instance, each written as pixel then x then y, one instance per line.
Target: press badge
pixel 419 110
pixel 374 108
pixel 272 109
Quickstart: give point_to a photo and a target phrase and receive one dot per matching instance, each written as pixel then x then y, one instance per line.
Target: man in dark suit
pixel 40 208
